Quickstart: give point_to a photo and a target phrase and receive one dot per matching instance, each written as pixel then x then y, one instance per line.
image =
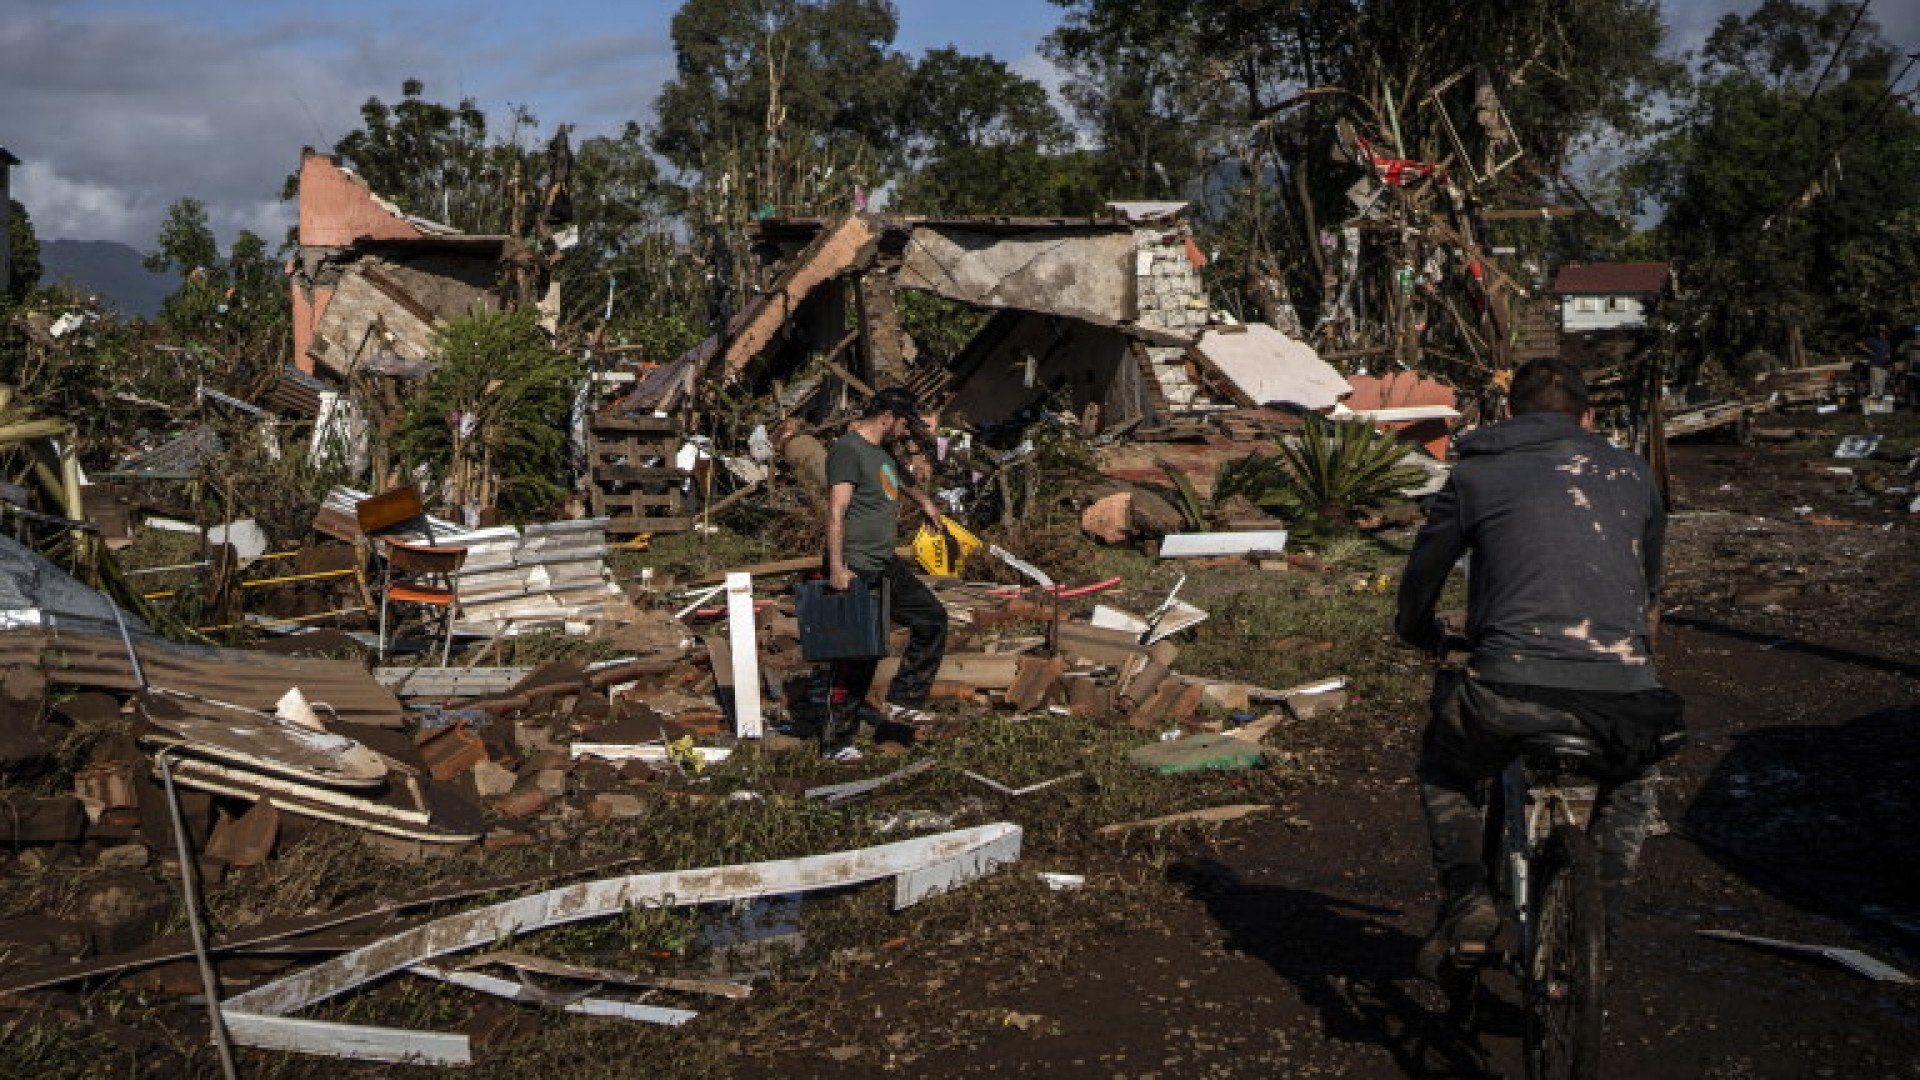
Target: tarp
pixel 35 592
pixel 1081 273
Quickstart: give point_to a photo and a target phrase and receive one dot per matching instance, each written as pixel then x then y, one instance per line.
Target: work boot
pixel 1466 924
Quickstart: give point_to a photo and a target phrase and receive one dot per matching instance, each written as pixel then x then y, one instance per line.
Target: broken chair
pixel 418 574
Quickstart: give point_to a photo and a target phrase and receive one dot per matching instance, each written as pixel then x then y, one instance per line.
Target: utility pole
pixel 7 162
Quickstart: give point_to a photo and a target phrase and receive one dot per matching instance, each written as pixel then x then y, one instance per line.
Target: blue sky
pixel 119 107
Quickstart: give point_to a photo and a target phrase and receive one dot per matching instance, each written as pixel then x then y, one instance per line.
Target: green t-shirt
pixel 873 517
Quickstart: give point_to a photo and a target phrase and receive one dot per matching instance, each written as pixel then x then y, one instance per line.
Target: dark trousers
pixel 1473 734
pixel 913 606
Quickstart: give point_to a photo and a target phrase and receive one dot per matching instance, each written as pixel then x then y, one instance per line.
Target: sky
pixel 117 108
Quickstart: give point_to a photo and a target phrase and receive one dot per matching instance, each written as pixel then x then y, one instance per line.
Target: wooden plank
pixel 425 682
pixel 355 1041
pixel 559 969
pixel 262 742
pixel 919 866
pixel 586 1006
pixel 614 422
pixel 746 657
pixel 638 474
pixel 982 671
pixel 1099 645
pixel 1211 813
pixel 1208 545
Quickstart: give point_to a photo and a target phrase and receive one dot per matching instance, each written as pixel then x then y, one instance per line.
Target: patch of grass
pixel 691 554
pixel 532 650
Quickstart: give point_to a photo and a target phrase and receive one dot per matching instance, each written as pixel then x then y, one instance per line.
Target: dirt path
pixel 1791 815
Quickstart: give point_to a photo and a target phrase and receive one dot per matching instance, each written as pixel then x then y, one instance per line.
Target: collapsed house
pixel 1104 319
pixel 371 282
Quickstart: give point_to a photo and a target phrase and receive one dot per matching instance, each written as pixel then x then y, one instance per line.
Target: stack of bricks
pixel 1172 299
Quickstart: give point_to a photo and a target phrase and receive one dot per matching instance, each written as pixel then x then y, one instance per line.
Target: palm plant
pixel 1336 465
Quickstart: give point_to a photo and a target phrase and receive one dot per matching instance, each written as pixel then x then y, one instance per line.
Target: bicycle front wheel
pixel 1567 963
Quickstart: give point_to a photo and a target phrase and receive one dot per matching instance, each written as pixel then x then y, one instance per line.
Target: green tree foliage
pixel 491 421
pixel 23 254
pixel 788 103
pixel 438 162
pixel 237 307
pixel 984 139
pixel 628 236
pixel 1783 206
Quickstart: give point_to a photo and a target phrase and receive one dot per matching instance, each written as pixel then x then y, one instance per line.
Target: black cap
pixel 897 400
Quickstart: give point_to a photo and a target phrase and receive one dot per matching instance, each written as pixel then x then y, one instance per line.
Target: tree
pixel 437 161
pixel 1782 204
pixel 982 138
pixel 1238 102
pixel 23 254
pixel 784 103
pixel 235 307
pixel 490 422
pixel 629 241
pixel 186 246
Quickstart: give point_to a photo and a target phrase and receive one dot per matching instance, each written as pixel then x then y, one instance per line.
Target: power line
pixel 1831 152
pixel 1839 50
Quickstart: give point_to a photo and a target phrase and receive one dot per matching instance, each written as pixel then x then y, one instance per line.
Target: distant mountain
pixel 108 270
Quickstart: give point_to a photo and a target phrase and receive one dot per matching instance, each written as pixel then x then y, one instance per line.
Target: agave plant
pixel 1336 465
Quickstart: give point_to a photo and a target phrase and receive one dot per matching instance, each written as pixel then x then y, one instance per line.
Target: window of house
pixel 1586 305
pixel 1617 303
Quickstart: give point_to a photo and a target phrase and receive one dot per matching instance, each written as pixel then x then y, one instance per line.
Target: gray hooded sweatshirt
pixel 1565 532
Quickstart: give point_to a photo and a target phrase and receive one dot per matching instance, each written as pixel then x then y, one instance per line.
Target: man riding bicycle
pixel 1564 532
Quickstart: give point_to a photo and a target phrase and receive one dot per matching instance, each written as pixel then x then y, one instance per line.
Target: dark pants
pixel 1475 731
pixel 913 606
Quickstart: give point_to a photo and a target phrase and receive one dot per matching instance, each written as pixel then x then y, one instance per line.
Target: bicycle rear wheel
pixel 1567 963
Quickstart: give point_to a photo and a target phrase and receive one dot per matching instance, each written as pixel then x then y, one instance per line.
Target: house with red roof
pixel 1607 296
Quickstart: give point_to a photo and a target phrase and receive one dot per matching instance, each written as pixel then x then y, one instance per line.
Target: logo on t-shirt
pixel 889 482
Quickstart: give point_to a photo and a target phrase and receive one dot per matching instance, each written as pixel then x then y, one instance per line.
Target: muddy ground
pixel 1287 949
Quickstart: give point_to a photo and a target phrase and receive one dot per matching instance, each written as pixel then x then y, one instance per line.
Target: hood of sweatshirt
pixel 1521 432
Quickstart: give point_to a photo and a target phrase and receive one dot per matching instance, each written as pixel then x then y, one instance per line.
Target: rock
pixel 491 781
pixel 551 782
pixel 1110 519
pixel 615 806
pixel 522 802
pixel 248 839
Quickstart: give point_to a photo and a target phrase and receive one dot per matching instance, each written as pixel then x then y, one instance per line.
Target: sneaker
pixel 1464 928
pixel 846 755
pixel 913 718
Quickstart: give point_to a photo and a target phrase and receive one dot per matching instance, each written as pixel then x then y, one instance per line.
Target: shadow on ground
pixel 1350 963
pixel 1822 816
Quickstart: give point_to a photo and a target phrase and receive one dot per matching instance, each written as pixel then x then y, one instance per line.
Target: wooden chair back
pixel 389 508
pixel 429 561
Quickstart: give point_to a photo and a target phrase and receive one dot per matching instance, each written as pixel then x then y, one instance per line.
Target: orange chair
pixel 426 575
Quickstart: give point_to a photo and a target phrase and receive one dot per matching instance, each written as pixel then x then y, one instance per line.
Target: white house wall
pixel 1608 313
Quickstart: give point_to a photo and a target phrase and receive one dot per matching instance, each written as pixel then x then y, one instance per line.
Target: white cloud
pixel 62 206
pixel 117 116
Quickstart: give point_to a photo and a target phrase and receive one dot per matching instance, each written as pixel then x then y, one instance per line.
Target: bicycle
pixel 1545 877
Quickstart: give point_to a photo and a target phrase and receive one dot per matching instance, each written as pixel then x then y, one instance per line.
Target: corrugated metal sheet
pixel 254 680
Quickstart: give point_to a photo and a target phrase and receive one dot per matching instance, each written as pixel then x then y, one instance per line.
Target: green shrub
pixel 491 421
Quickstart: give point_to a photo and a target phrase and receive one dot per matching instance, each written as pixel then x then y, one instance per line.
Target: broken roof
pixel 1611 278
pixel 1262 366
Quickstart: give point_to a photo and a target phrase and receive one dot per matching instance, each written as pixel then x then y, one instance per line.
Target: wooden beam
pixel 745 648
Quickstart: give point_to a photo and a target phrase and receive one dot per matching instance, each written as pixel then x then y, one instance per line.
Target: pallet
pixel 633 481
